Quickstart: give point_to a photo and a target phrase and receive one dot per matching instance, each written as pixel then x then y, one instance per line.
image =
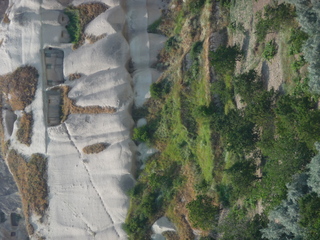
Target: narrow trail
pixel 90 177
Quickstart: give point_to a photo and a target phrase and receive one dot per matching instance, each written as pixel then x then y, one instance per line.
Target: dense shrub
pixel 195 6
pixel 141 134
pixel 196 49
pixel 224 58
pixel 73 27
pixel 310 215
pixel 270 50
pixel 202 213
pixel 273 19
pixel 284 219
pixel 296 41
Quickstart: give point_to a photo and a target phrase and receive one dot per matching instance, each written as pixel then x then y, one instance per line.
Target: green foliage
pixel 310 215
pixel 196 49
pixel 195 6
pixel 237 131
pixel 141 134
pixel 153 28
pixel 296 65
pixel 156 90
pixel 237 226
pixel 247 85
pixel 224 58
pixel 159 89
pixel 296 41
pixel 235 26
pixel 74 26
pixel 270 50
pixel 226 3
pixel 297 114
pixel 242 176
pixel 172 43
pixel 309 17
pixel 202 213
pixel 314 172
pixel 274 18
pixel 284 219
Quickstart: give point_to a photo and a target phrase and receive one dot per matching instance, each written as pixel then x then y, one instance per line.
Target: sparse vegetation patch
pixel 79 17
pixel 24 133
pixel 95 148
pixel 69 107
pixel 19 87
pixel 32 184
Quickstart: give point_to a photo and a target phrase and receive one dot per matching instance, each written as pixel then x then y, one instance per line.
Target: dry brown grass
pixel 31 180
pixel 92 39
pixel 177 210
pixel 88 12
pixel 24 132
pixel 6 19
pixel 19 87
pixel 69 107
pixel 95 148
pixel 74 76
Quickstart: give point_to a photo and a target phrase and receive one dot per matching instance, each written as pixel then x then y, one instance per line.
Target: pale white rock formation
pixel 141 122
pixel 144 49
pixel 160 226
pixel 144 153
pixel 109 52
pixel 105 88
pixel 109 22
pixel 142 80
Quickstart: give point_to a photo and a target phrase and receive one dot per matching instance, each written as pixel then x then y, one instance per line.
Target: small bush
pixel 172 43
pixel 79 17
pixel 95 148
pixel 296 65
pixel 156 90
pixel 270 50
pixel 195 6
pixel 196 49
pixel 202 212
pixel 159 89
pixel 73 27
pixel 296 41
pixel 153 28
pixel 224 58
pixel 274 18
pixel 141 134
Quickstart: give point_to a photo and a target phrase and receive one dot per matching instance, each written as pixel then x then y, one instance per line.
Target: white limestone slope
pixel 87 192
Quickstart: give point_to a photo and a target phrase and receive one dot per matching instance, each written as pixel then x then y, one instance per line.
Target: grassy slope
pixel 183 126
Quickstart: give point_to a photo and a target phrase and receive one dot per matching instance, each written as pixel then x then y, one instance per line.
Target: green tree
pixel 242 175
pixel 224 58
pixel 310 215
pixel 202 213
